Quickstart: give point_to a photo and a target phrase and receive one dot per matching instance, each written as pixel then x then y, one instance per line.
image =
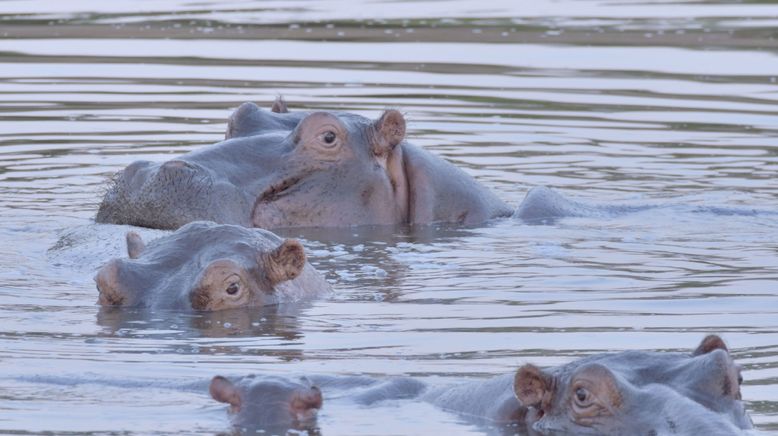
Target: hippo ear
pixel 279 106
pixel 710 343
pixel 285 262
pixel 224 391
pixel 306 400
pixel 531 386
pixel 135 245
pixel 386 132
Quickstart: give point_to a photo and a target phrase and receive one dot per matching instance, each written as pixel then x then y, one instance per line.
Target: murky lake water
pixel 609 102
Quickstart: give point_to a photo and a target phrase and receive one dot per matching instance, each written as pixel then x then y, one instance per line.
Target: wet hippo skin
pixel 301 169
pixel 271 405
pixel 207 266
pixel 640 393
pixel 627 393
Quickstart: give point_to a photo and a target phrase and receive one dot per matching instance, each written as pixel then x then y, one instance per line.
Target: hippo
pixel 275 405
pixel 280 169
pixel 271 404
pixel 624 393
pixel 206 266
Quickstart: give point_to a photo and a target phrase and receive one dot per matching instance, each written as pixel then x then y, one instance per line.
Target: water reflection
pixel 278 321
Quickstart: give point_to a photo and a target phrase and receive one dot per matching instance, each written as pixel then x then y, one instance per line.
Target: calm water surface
pixel 609 102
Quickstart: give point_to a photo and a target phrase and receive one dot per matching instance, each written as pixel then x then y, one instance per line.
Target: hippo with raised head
pixel 301 169
pixel 627 393
pixel 207 266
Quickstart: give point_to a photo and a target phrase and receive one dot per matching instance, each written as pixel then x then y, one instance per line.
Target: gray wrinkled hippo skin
pixel 269 405
pixel 301 169
pixel 627 393
pixel 206 266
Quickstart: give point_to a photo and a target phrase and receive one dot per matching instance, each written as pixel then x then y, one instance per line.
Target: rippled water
pixel 609 102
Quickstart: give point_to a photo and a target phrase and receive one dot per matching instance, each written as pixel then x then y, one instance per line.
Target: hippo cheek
pixel 318 212
pixel 268 215
pixel 324 203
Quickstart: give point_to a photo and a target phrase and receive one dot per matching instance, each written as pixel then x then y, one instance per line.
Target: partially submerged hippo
pixel 207 266
pixel 274 405
pixel 271 405
pixel 302 169
pixel 627 393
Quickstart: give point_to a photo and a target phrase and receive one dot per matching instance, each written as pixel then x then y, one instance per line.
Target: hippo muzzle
pixel 177 191
pixel 109 285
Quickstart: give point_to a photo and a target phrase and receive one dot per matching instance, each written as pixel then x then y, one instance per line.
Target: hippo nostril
pixel 179 170
pixel 134 167
pixel 132 177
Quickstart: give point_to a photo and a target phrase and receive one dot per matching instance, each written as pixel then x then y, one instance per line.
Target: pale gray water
pixel 609 102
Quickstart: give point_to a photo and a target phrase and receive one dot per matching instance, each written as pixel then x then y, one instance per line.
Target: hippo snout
pixel 134 175
pixel 108 285
pixel 177 191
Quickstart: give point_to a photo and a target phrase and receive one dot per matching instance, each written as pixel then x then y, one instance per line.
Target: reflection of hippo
pixel 279 321
pixel 627 393
pixel 206 266
pixel 303 169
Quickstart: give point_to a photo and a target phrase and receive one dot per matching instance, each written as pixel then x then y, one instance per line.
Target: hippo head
pixel 300 169
pixel 275 169
pixel 269 403
pixel 205 266
pixel 637 393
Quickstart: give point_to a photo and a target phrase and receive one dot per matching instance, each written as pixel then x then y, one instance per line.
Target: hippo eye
pixel 739 379
pixel 581 395
pixel 329 137
pixel 233 288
